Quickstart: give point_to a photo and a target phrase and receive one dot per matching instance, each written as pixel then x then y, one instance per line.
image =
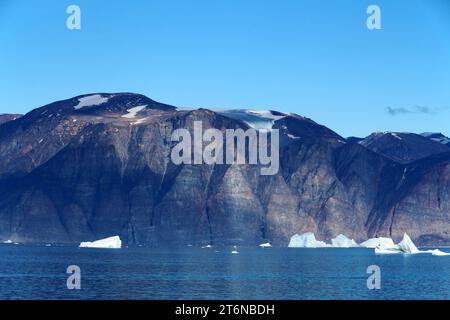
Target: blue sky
pixel 315 58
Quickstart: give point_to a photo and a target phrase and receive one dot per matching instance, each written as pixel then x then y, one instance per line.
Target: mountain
pixel 438 137
pixel 5 117
pixel 99 165
pixel 403 147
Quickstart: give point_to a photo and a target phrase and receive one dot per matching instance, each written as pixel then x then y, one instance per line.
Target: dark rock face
pixel 403 147
pixel 438 137
pixel 76 174
pixel 8 117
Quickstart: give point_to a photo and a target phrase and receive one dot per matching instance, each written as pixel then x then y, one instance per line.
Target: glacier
pixel 107 243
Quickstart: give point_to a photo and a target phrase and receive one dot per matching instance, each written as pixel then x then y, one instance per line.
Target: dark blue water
pixel 192 273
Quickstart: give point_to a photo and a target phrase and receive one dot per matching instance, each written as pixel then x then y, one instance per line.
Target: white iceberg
pixel 342 241
pixel 404 246
pixel 407 246
pixel 108 243
pixel 375 242
pixel 265 245
pixel 306 240
pixel 7 241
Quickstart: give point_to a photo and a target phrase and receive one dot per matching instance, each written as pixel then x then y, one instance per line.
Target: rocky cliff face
pixel 99 165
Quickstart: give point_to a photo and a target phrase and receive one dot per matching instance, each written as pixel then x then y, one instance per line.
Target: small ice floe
pixel 208 246
pixel 265 245
pixel 388 250
pixel 107 243
pixel 437 252
pixel 48 245
pixel 7 241
pixel 342 241
pixel 234 250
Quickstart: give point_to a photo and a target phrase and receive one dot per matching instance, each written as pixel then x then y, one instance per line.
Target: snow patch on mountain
pixel 438 137
pixel 89 101
pixel 396 136
pixel 256 119
pixel 292 136
pixel 139 121
pixel 133 112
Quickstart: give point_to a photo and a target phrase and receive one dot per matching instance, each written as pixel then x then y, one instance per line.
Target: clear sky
pixel 315 58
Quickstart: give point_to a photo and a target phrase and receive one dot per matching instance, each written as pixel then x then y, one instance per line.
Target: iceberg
pixel 7 241
pixel 306 240
pixel 342 241
pixel 404 246
pixel 107 243
pixel 407 246
pixel 375 242
pixel 265 245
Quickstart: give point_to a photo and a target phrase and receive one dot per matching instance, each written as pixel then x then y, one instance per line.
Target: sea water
pixel 39 272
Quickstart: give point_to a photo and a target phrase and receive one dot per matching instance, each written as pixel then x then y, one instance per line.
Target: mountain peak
pixel 402 147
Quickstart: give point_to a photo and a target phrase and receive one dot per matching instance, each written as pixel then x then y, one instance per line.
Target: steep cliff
pixel 99 165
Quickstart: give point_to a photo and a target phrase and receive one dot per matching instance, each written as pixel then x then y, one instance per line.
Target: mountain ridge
pixel 72 175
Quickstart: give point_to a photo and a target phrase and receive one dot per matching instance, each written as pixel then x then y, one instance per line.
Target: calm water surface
pixel 28 272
